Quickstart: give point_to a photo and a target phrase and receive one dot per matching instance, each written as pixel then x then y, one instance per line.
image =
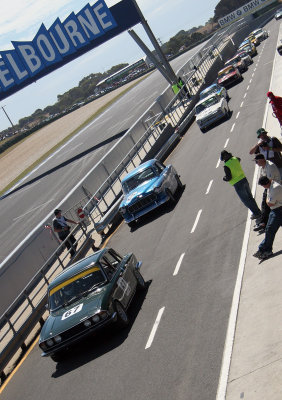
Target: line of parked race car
pixel 213 104
pixel 97 290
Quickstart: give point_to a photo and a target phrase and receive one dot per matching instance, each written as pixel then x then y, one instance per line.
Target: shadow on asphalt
pixel 67 162
pixel 107 339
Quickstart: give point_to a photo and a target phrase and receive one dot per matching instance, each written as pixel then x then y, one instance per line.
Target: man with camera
pixel 270 147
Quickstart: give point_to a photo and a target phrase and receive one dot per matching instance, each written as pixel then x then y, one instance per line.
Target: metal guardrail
pixel 152 135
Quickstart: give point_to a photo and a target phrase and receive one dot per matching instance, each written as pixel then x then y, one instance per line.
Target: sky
pixel 20 21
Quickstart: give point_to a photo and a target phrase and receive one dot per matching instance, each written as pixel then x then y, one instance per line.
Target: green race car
pixel 87 296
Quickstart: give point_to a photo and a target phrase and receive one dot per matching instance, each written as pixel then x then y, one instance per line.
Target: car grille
pixel 142 203
pixel 213 117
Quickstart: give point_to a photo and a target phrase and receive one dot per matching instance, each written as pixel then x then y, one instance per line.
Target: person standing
pixel 276 103
pixel 270 170
pixel 63 229
pixel 270 147
pixel 274 201
pixel 236 177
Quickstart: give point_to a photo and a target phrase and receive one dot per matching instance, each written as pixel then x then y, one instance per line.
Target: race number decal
pixel 124 286
pixel 72 311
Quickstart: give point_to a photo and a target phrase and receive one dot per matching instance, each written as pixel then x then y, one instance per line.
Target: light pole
pixel 7 115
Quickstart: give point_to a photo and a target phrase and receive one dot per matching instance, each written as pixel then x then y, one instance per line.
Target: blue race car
pixel 212 89
pixel 147 187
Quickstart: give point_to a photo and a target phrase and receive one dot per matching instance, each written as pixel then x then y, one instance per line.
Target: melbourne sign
pixel 63 42
pixel 250 7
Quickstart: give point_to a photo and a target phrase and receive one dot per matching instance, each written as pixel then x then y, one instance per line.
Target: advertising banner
pixel 247 8
pixel 63 42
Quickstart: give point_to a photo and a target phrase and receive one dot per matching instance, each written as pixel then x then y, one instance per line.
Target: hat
pixel 57 211
pixel 270 94
pixel 259 157
pixel 224 154
pixel 260 131
pixel 263 180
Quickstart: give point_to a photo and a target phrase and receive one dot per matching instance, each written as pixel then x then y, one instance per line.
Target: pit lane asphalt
pixel 184 359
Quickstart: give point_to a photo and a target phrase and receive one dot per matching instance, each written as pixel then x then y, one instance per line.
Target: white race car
pixel 210 110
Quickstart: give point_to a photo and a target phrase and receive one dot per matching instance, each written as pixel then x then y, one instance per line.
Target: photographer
pixel 270 147
pixel 63 229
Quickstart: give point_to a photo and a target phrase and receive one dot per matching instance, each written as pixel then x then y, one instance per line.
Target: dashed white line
pixel 155 327
pixel 178 264
pixel 233 126
pixel 238 113
pixel 217 165
pixel 248 87
pixel 196 221
pixel 241 105
pixel 226 143
pixel 254 69
pixel 250 82
pixel 209 186
pixel 245 95
pixel 253 74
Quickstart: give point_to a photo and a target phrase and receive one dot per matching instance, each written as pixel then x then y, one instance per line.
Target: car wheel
pixel 141 284
pixel 122 318
pixel 179 183
pixel 171 197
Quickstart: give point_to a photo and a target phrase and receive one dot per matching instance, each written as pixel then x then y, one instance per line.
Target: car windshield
pixel 256 32
pixel 233 61
pixel 74 288
pixel 226 71
pixel 138 179
pixel 208 92
pixel 206 104
pixel 247 48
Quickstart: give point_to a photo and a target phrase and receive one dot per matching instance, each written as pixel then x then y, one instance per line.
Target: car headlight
pixel 122 210
pixel 58 339
pixel 96 318
pixel 50 342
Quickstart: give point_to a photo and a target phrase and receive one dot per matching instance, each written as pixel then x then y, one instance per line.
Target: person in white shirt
pixel 274 201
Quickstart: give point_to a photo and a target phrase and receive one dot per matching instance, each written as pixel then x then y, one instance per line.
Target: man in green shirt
pixel 235 176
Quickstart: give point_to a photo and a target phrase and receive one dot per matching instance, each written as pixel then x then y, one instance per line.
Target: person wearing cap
pixel 276 103
pixel 63 229
pixel 236 177
pixel 270 147
pixel 274 201
pixel 270 170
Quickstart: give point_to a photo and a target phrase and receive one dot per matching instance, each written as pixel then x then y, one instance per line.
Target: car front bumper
pixel 88 331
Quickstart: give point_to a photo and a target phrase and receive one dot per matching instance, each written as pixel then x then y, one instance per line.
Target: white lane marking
pixel 217 165
pixel 226 143
pixel 178 264
pixel 254 69
pixel 248 87
pixel 241 105
pixel 232 128
pixel 250 81
pixel 238 113
pixel 230 335
pixel 32 210
pixel 245 95
pixel 208 188
pixel 253 74
pixel 196 221
pixel 155 327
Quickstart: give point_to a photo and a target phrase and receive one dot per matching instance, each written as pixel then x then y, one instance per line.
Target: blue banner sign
pixel 63 42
